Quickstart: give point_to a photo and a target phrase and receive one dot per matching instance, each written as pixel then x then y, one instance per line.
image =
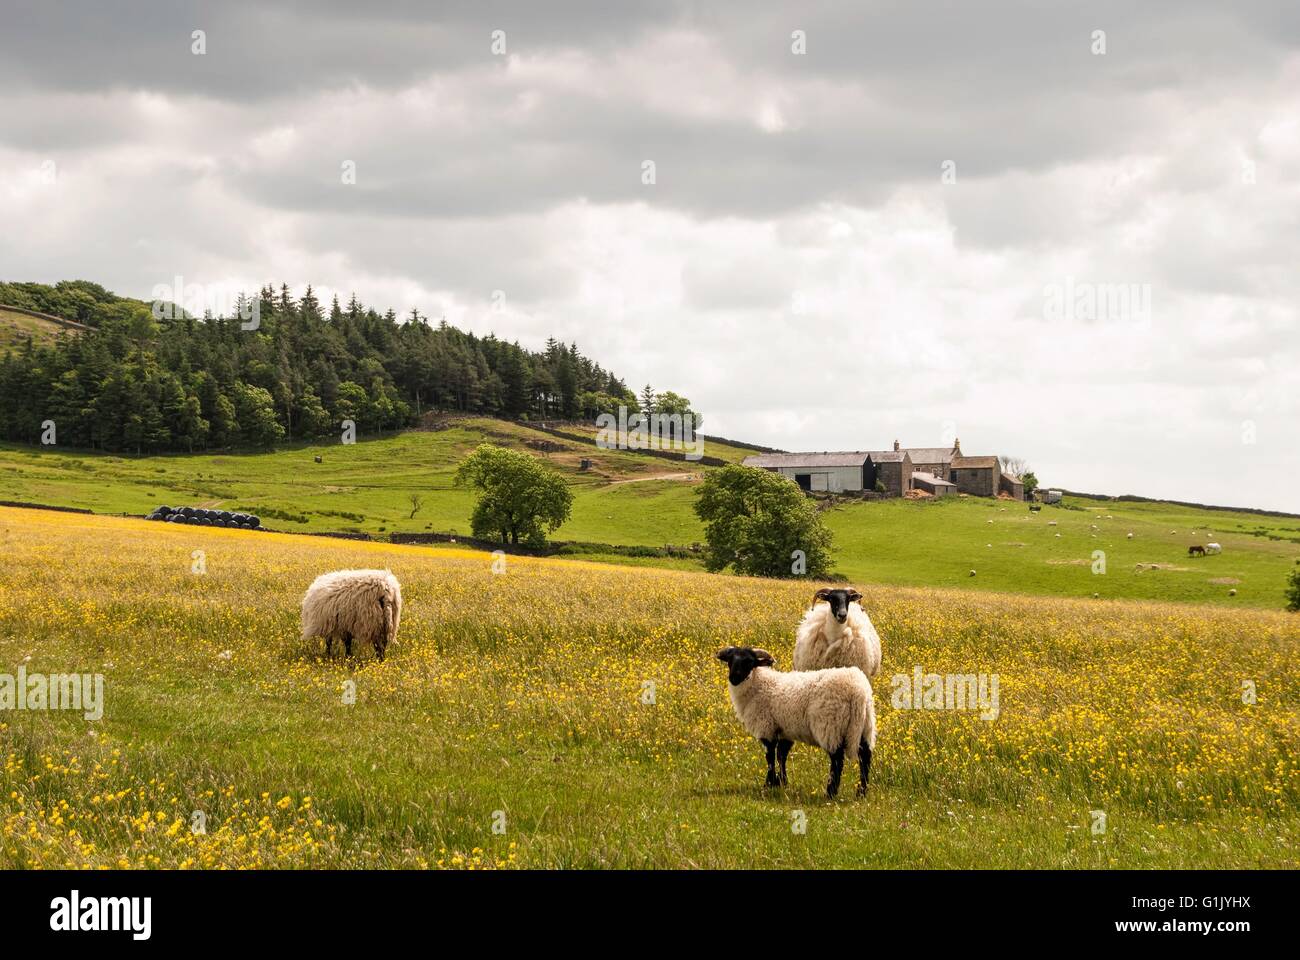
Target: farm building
pixel 818 472
pixel 939 471
pixel 932 460
pixel 977 476
pixel 890 470
pixel 932 484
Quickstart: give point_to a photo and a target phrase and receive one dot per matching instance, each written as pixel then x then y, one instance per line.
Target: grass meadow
pixel 17 328
pixel 631 499
pixel 1056 551
pixel 571 714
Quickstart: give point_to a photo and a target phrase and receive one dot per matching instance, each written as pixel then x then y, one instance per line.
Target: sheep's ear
pixel 854 596
pixel 726 654
pixel 764 658
pixel 820 595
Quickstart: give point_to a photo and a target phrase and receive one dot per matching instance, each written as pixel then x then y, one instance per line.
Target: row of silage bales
pixel 203 517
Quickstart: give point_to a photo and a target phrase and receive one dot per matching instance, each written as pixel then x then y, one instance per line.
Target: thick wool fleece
pixel 363 604
pixel 821 641
pixel 826 708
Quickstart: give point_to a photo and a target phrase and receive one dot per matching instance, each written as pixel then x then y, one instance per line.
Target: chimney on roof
pixel 895 445
pixel 956 445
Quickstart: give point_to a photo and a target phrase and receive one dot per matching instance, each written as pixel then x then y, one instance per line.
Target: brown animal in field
pixel 1196 550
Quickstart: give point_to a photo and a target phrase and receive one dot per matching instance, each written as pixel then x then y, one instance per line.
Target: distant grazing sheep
pixel 838 634
pixel 831 709
pixel 1213 548
pixel 365 605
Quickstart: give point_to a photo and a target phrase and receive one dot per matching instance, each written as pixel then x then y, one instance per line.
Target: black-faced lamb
pixel 839 634
pixel 832 709
pixel 365 605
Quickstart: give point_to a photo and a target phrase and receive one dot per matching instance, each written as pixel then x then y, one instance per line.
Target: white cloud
pixel 798 270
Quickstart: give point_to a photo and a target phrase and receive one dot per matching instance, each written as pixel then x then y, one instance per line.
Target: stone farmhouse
pixel 938 471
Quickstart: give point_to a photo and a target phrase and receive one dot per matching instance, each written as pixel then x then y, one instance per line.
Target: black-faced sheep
pixel 839 634
pixel 832 709
pixel 365 605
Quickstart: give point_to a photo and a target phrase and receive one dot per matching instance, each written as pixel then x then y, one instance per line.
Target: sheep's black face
pixel 741 662
pixel 839 601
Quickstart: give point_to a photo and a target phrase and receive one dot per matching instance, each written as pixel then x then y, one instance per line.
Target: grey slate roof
pixel 929 454
pixel 887 456
pixel 851 458
pixel 975 463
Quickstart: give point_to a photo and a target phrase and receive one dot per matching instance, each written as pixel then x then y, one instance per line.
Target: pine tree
pixel 131 383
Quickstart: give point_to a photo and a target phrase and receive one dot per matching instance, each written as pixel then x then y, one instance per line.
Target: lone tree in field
pixel 416 501
pixel 520 500
pixel 1293 589
pixel 760 523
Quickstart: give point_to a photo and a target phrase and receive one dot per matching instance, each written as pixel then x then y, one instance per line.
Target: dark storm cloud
pixel 884 95
pixel 258 50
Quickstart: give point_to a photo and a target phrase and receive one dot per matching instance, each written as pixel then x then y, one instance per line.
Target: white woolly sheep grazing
pixel 361 604
pixel 839 634
pixel 831 709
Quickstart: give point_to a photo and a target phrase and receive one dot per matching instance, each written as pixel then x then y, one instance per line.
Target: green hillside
pixel 15 328
pixel 629 498
pixel 939 543
pixel 365 486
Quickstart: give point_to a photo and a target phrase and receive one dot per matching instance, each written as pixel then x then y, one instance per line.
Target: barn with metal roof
pixel 825 472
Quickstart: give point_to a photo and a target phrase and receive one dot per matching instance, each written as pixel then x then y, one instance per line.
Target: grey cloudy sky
pixel 800 268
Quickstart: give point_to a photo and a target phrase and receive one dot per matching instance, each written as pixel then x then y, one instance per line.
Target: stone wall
pixel 976 481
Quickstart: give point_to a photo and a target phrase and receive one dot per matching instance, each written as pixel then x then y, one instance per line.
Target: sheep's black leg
pixel 771 763
pixel 783 751
pixel 328 638
pixel 837 768
pixel 864 767
pixel 347 644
